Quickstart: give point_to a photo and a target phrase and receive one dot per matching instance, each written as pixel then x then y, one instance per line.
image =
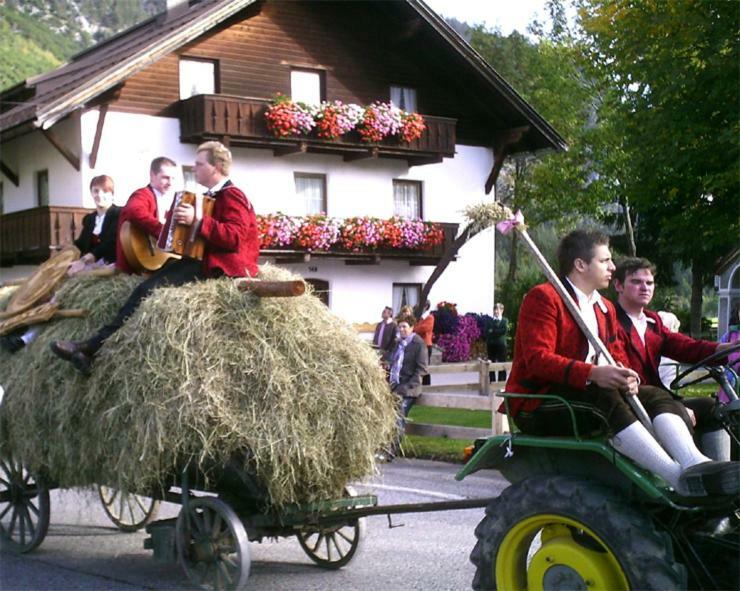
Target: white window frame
pixel 404 97
pixel 403 210
pixel 197 76
pixel 306 86
pixel 309 206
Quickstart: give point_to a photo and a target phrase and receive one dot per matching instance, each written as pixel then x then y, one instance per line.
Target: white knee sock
pixel 639 445
pixel 716 445
pixel 676 438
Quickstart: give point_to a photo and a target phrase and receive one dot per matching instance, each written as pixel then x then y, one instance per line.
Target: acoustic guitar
pixel 141 250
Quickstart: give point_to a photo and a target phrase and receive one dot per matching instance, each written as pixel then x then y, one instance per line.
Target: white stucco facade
pixel 364 187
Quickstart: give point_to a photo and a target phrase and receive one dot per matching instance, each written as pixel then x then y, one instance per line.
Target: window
pixel 307 86
pixel 311 192
pixel 320 289
pixel 404 98
pixel 197 77
pixel 42 188
pixel 407 199
pixel 405 294
pixel 188 179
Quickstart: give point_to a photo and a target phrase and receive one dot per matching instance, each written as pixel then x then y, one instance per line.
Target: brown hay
pixel 203 372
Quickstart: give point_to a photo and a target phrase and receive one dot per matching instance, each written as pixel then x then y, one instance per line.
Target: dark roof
pixel 45 99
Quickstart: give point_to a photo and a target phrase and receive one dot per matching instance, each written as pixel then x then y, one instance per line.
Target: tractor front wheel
pixel 558 532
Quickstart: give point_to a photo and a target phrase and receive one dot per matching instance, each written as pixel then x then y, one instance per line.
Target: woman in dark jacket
pixel 98 237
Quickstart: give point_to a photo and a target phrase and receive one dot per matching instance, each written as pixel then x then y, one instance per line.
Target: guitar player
pixel 232 248
pixel 146 207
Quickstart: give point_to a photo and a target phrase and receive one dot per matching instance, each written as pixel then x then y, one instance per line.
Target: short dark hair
pixel 389 309
pixel 630 265
pixel 579 244
pixel 156 166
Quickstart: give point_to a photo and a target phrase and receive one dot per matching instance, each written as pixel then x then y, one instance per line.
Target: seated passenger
pixel 646 339
pixel 552 355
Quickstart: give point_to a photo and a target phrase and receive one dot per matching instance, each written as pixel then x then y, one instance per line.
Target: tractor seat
pixel 557 417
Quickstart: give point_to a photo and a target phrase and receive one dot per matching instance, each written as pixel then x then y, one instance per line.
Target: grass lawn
pixel 442 448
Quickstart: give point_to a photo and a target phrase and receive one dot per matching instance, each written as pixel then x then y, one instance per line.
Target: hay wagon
pixel 210 536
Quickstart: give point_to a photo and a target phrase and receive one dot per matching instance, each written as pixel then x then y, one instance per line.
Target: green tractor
pixel 580 516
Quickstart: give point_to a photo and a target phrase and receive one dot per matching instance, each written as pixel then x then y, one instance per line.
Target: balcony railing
pixel 371 255
pixel 32 235
pixel 241 122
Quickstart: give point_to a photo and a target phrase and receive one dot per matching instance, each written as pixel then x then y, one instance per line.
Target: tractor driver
pixel 551 354
pixel 646 339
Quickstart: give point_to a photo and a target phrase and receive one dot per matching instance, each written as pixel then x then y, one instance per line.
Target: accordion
pixel 182 239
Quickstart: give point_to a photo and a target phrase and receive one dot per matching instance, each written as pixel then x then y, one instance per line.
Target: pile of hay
pixel 201 371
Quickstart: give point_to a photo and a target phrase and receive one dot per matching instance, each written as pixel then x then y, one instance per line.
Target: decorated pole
pixel 490 213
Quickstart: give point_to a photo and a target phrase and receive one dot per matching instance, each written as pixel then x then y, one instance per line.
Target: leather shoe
pixel 82 363
pixel 67 349
pixel 12 343
pixel 712 478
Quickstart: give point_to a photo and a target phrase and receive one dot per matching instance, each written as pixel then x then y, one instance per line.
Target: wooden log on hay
pixel 271 289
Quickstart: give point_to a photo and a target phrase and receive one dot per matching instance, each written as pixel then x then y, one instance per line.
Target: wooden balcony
pixel 32 235
pixel 370 256
pixel 240 121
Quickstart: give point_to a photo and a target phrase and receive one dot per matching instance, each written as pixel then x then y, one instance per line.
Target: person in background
pixel 96 243
pixel 646 339
pixel 385 333
pixel 496 340
pixel 408 363
pixel 425 329
pixel 147 207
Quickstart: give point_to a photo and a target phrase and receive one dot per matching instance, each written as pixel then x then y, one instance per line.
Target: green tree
pixel 673 65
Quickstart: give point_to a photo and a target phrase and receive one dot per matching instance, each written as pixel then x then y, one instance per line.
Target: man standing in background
pixel 496 339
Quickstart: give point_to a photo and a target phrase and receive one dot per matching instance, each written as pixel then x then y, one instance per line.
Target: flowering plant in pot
pixel 379 121
pixel 276 229
pixel 317 232
pixel 334 119
pixel 285 118
pixel 412 127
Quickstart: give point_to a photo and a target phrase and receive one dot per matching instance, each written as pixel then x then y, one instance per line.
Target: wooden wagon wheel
pixel 334 546
pixel 128 511
pixel 24 507
pixel 212 545
pixel 39 286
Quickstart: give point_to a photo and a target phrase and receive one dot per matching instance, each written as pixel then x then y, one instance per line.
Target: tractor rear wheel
pixel 560 532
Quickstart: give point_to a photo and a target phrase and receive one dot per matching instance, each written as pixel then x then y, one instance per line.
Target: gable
pixel 362 47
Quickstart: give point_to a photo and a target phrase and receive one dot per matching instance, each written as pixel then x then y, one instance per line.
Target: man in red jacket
pixel 232 248
pixel 551 354
pixel 646 340
pixel 146 207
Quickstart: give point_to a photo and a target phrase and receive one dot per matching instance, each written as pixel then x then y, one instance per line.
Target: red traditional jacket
pixel 232 240
pixel 550 349
pixel 659 342
pixel 141 211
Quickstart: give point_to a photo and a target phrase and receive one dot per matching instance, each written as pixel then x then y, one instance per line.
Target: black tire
pixel 583 517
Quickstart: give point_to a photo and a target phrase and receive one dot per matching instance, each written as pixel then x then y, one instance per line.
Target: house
pixel 727 284
pixel 208 69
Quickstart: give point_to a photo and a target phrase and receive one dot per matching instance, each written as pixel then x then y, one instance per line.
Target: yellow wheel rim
pixel 571 556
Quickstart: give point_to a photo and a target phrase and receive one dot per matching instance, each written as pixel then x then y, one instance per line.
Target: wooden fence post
pixel 484 377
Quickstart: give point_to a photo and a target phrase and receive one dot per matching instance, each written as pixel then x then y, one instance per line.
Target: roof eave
pixel 58 109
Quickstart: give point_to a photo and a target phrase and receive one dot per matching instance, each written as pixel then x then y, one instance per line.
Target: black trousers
pixel 496 352
pixel 596 409
pixel 173 273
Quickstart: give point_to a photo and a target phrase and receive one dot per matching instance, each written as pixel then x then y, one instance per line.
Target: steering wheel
pixel 715 372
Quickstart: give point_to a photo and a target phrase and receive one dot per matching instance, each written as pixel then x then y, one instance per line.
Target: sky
pixel 507 15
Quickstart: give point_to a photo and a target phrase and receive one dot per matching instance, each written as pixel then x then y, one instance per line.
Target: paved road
pixel 84 552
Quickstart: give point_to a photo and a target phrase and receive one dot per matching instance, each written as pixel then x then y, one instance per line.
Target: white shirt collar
pixel 584 300
pixel 219 185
